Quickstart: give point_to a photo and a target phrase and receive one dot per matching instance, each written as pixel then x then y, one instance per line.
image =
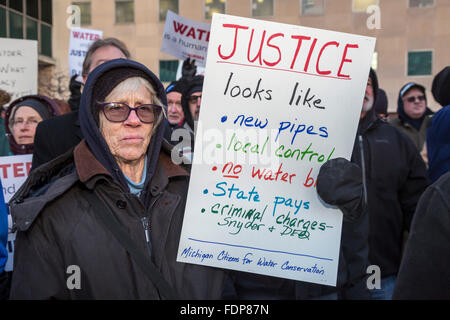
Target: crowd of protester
pixel 104 172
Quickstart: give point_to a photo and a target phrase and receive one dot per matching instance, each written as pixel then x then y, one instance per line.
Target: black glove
pixel 189 69
pixel 340 183
pixel 75 93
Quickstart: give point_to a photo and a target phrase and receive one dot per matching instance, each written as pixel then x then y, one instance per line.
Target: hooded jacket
pixel 58 227
pixel 438 134
pixel 415 129
pixel 16 148
pixel 395 177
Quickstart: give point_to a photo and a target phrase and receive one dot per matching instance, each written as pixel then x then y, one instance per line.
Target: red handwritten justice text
pixel 260 48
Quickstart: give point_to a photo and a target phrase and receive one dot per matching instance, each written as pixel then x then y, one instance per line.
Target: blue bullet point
pixel 224 118
pixel 205 191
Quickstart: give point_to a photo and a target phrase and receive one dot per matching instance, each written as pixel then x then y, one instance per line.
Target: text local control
pixel 245 39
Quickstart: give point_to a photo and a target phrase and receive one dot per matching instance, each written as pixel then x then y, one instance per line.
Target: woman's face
pixel 128 141
pixel 25 122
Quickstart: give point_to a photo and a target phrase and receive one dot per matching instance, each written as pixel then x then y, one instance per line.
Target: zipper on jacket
pixel 363 168
pixel 145 221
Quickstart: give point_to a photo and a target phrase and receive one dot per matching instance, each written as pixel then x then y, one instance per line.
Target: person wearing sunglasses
pixel 112 207
pixel 413 114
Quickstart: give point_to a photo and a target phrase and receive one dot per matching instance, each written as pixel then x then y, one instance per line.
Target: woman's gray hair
pixel 133 84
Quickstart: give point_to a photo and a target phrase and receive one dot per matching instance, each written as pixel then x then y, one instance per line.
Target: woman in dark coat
pixel 65 248
pixel 22 118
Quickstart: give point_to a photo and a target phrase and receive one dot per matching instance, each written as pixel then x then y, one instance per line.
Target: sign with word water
pixel 14 171
pixel 18 67
pixel 184 38
pixel 80 41
pixel 278 102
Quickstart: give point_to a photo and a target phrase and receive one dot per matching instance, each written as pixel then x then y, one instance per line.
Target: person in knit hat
pixel 381 104
pixel 175 114
pixel 113 205
pixel 22 118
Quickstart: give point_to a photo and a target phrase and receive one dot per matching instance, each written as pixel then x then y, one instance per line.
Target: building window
pixel 85 12
pixel 165 5
pixel 262 8
pixel 214 6
pixel 313 7
pixel 32 29
pixel 124 11
pixel 361 5
pixel 168 70
pixel 28 19
pixel 15 25
pixel 420 63
pixel 420 3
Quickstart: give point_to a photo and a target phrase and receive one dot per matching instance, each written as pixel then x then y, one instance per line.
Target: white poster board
pixel 184 38
pixel 18 67
pixel 80 41
pixel 14 171
pixel 278 101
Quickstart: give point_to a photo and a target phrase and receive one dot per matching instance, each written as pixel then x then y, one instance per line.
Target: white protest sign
pixel 278 101
pixel 18 67
pixel 184 38
pixel 14 171
pixel 80 41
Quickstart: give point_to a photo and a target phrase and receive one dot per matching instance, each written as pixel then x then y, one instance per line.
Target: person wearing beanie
pixel 381 104
pixel 59 134
pixel 113 206
pixel 438 134
pixel 413 114
pixel 175 114
pixel 22 118
pixel 393 176
pixel 191 100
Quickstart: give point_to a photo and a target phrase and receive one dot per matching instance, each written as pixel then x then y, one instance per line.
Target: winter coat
pixel 418 137
pixel 59 227
pixel 395 177
pixel 424 272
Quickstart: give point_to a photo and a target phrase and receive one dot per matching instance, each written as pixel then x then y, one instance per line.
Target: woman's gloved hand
pixel 189 68
pixel 340 183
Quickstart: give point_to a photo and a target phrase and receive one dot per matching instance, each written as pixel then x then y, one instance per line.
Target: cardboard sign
pixel 278 102
pixel 184 38
pixel 14 171
pixel 80 41
pixel 18 67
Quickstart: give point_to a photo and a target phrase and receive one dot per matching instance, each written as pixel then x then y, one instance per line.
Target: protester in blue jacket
pixel 3 240
pixel 438 134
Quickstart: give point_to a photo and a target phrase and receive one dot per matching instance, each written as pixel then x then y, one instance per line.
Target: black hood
pixel 441 87
pixel 91 132
pixel 370 116
pixel 416 123
pixel 190 86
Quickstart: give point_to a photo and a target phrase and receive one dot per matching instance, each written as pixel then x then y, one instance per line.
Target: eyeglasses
pixel 119 112
pixel 193 99
pixel 413 99
pixel 29 122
